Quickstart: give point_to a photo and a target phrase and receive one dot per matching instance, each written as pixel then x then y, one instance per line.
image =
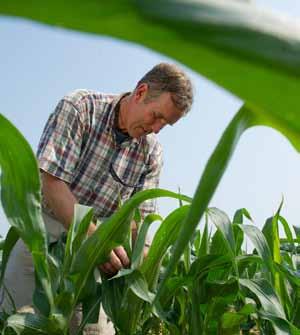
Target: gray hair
pixel 165 77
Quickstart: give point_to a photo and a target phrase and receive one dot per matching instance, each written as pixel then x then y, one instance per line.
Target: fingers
pixel 122 256
pixel 145 251
pixel 118 259
pixel 108 269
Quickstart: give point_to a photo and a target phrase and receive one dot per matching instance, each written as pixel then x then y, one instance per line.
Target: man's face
pixel 150 116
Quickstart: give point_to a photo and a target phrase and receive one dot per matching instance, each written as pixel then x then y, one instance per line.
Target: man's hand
pixel 118 259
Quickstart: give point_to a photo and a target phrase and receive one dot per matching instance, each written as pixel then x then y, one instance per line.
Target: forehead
pixel 165 107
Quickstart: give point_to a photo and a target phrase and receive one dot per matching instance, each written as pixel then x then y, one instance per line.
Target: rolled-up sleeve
pixel 59 147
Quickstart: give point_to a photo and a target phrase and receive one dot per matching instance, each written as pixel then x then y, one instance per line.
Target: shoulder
pixel 152 142
pixel 83 97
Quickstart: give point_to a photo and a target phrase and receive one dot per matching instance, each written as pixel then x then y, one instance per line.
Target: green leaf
pixel 290 274
pixel 223 224
pixel 77 232
pixel 173 285
pixel 187 257
pixel 29 324
pixel 249 51
pixel 9 242
pixel 21 197
pixel 286 228
pixel 238 219
pixel 112 298
pixel 139 286
pixel 270 230
pixel 90 309
pixel 208 263
pixel 138 250
pixel 281 325
pixel 239 215
pixel 165 237
pixel 261 245
pixel 230 323
pixel 197 324
pixel 217 244
pixel 245 262
pixel 204 245
pixel 91 302
pixel 297 231
pixel 266 295
pixel 197 241
pixel 226 289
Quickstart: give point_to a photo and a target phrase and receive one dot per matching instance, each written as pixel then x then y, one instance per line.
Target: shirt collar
pixel 111 121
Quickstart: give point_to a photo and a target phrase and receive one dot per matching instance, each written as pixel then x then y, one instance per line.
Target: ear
pixel 140 92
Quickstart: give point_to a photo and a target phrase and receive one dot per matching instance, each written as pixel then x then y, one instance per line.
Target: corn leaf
pixel 77 232
pixel 9 242
pixel 249 51
pixel 139 286
pixel 204 245
pixel 196 317
pixel 261 245
pixel 138 250
pixel 292 275
pixel 165 237
pixel 281 325
pixel 21 197
pixel 266 295
pixel 208 263
pixel 239 215
pixel 28 324
pixel 223 224
pixel 287 229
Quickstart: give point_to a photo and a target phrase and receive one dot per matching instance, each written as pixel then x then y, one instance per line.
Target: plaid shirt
pixel 78 146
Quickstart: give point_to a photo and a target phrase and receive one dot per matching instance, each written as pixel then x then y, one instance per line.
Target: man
pixel 97 148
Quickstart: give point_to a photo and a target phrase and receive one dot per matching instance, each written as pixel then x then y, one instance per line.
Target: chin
pixel 137 134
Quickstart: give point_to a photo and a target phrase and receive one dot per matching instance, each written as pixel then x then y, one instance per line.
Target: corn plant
pixel 219 288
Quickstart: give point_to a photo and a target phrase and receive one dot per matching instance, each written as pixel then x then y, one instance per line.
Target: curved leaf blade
pixel 21 197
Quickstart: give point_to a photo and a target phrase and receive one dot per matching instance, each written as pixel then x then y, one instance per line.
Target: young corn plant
pixel 222 289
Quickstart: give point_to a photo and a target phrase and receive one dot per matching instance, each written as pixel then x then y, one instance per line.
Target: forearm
pixel 58 198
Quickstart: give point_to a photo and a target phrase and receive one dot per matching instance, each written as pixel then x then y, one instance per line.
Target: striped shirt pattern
pixel 78 146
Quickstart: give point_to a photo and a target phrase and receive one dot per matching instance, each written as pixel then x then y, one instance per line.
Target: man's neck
pixel 123 108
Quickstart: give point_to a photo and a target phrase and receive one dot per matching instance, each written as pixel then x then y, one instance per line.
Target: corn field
pixel 215 287
pixel 197 282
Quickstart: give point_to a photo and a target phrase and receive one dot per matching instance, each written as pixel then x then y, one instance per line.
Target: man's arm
pixel 61 200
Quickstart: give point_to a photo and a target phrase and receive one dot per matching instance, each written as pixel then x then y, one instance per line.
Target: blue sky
pixel 39 64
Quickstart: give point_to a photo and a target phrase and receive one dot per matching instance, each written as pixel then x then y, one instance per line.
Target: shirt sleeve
pixel 60 145
pixel 151 179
